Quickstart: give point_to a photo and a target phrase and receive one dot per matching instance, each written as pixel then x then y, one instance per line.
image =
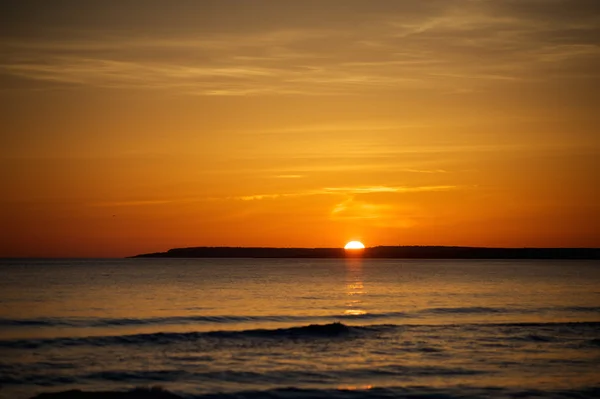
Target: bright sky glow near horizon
pixel 140 125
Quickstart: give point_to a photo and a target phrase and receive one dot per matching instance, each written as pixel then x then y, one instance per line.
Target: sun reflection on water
pixel 355 288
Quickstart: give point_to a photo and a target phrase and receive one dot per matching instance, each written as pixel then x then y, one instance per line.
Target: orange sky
pixel 137 126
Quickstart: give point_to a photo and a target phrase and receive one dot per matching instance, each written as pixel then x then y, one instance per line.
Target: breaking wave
pixel 232 319
pixel 331 330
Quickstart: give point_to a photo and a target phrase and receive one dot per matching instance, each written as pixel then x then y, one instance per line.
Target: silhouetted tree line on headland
pixel 389 252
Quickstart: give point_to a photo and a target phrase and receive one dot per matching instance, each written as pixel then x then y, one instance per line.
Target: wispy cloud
pixel 257 197
pixel 343 191
pixel 140 202
pixel 386 189
pixel 353 209
pixel 427 171
pixel 445 46
pixel 346 191
pixel 375 214
pixel 355 206
pixel 289 176
pixel 342 126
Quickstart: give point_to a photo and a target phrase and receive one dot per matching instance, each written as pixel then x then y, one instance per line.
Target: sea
pixel 301 328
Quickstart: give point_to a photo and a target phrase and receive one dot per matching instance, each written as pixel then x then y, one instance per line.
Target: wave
pixel 340 393
pixel 238 319
pixel 509 310
pixel 117 322
pixel 313 330
pixel 331 330
pixel 470 310
pixel 181 320
pixel 272 377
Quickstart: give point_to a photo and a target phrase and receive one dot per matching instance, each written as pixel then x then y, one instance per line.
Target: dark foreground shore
pixel 381 252
pixel 349 393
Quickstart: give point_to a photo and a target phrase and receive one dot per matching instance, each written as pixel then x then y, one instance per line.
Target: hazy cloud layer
pixel 314 48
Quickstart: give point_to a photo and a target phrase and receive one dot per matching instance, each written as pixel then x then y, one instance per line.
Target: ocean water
pixel 291 328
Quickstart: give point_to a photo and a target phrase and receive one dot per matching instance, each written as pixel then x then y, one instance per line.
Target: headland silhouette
pixel 380 252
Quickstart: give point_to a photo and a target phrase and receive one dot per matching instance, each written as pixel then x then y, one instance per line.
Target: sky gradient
pixel 140 125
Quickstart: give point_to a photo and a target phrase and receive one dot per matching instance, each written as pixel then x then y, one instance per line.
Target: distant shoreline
pixel 380 252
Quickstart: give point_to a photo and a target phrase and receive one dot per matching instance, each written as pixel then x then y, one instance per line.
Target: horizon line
pixel 341 248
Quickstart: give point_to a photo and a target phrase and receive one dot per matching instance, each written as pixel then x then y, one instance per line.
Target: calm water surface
pixel 251 327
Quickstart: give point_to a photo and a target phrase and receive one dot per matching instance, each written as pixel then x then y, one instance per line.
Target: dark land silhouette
pixel 381 252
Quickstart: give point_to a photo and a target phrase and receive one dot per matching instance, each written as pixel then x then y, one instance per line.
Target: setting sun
pixel 354 245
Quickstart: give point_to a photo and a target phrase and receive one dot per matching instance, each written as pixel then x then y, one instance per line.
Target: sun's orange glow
pixel 289 151
pixel 354 245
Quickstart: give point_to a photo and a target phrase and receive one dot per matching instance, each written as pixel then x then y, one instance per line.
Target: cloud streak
pixel 386 189
pixel 348 191
pixel 339 191
pixel 448 46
